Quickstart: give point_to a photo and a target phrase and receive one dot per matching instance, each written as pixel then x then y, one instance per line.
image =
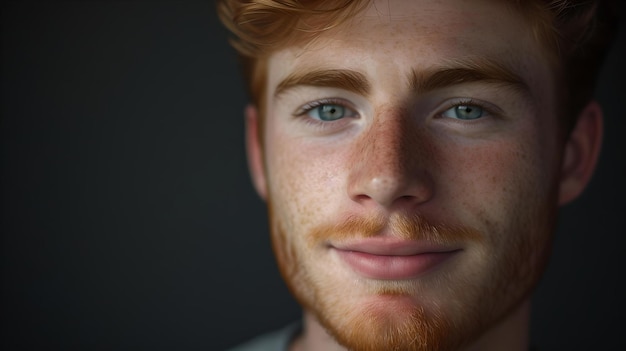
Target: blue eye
pixel 329 112
pixel 465 112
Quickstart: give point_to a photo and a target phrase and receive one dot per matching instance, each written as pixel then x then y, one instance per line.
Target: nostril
pixel 361 197
pixel 402 189
pixel 406 198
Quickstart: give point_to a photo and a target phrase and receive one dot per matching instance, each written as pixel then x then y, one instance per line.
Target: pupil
pixel 465 110
pixel 331 112
pixel 468 112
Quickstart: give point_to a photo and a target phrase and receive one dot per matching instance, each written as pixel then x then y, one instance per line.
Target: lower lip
pixel 393 267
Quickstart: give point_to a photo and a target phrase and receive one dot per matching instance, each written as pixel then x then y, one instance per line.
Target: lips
pixel 388 258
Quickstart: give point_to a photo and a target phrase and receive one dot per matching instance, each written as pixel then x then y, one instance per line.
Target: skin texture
pixel 487 188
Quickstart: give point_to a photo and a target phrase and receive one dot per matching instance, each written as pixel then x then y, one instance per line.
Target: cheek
pixel 505 190
pixel 304 188
pixel 304 182
pixel 502 188
pixel 509 189
pixel 498 179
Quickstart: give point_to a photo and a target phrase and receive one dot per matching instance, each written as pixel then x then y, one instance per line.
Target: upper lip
pixel 391 246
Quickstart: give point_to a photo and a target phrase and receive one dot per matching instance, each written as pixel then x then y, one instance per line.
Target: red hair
pixel 575 33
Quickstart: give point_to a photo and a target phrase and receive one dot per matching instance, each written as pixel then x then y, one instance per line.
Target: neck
pixel 511 334
pixel 314 337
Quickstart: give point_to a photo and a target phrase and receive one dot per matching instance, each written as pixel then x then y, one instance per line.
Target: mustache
pixel 402 225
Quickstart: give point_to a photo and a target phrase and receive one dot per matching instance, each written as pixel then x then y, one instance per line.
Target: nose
pixel 390 164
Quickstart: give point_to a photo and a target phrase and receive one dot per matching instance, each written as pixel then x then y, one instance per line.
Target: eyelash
pixel 314 104
pixel 468 102
pixel 306 108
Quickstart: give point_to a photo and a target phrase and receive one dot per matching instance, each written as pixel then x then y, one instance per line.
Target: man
pixel 413 155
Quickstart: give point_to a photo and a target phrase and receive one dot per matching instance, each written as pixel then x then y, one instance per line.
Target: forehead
pixel 397 36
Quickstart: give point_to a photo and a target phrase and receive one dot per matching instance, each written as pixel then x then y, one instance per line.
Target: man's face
pixel 411 164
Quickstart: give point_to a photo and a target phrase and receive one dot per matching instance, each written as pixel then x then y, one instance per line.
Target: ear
pixel 582 149
pixel 254 151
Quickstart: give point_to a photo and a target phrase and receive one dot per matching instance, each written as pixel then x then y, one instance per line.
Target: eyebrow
pixel 420 81
pixel 465 71
pixel 334 78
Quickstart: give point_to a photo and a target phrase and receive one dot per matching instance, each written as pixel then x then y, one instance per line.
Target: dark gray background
pixel 128 220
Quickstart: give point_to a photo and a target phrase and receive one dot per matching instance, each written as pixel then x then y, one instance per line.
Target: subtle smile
pixel 393 261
